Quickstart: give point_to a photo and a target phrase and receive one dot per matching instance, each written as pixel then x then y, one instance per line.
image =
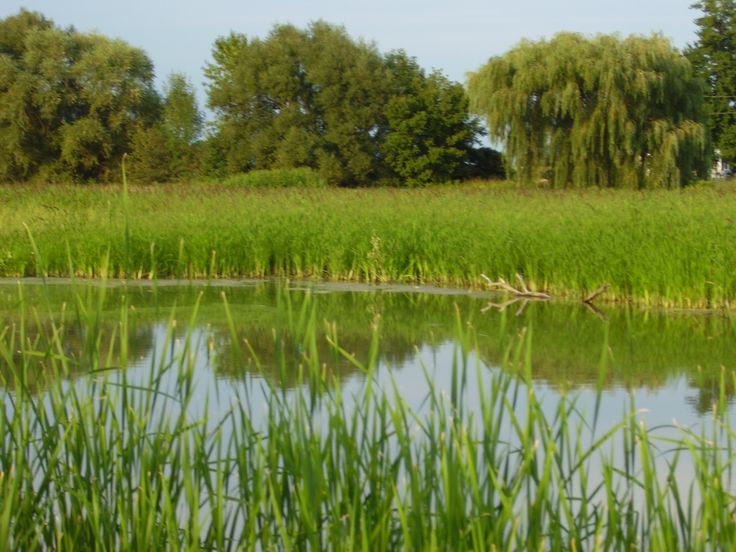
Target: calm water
pixel 670 363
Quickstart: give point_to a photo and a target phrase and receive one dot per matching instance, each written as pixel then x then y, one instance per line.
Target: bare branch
pixel 522 284
pixel 524 292
pixel 589 299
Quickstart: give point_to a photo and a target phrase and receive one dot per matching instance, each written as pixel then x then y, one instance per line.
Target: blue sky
pixel 456 37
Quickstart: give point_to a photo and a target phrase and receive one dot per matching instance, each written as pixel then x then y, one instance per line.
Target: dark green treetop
pixel 299 98
pixel 318 98
pixel 169 149
pixel 430 131
pixel 714 57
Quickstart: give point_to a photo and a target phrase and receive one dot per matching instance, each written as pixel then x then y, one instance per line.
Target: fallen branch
pixel 523 294
pixel 589 299
pixel 522 291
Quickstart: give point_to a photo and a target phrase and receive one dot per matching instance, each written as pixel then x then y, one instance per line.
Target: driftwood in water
pixel 523 294
pixel 522 291
pixel 589 299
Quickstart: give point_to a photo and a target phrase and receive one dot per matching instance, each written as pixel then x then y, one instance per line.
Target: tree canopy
pixel 714 57
pixel 430 135
pixel 319 99
pixel 69 102
pixel 602 111
pixel 169 149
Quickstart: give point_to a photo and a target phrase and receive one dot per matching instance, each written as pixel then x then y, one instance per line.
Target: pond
pixel 670 362
pixel 274 414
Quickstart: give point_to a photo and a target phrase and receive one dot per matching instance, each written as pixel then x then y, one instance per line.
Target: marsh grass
pixel 276 178
pixel 130 459
pixel 674 249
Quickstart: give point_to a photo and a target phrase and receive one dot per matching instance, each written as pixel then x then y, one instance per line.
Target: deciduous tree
pixel 300 98
pixel 600 111
pixel 430 131
pixel 69 102
pixel 169 149
pixel 320 99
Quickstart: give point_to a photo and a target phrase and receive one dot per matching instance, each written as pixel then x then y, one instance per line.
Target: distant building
pixel 721 167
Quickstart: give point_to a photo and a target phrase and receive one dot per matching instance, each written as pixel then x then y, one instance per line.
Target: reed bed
pixel 674 249
pixel 123 460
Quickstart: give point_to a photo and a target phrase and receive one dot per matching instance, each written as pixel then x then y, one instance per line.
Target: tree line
pixel 71 104
pixel 570 111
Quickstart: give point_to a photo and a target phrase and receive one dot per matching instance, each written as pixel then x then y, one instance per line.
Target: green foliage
pixel 604 111
pixel 168 150
pixel 430 133
pixel 298 98
pixel 69 102
pixel 276 178
pixel 181 116
pixel 485 163
pixel 319 99
pixel 151 158
pixel 713 56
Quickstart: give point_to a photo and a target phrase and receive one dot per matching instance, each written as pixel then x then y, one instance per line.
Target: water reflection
pixel 641 350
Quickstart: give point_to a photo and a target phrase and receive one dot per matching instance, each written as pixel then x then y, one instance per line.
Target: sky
pixel 456 37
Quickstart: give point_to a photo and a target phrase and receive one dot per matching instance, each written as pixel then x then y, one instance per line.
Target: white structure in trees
pixel 721 167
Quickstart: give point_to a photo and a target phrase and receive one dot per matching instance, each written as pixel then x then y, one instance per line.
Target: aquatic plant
pixel 655 248
pixel 127 459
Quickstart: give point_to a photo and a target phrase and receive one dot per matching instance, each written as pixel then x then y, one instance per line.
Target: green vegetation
pixel 276 178
pixel 572 111
pixel 69 102
pixel 169 150
pixel 600 112
pixel 124 460
pixel 712 55
pixel 97 452
pixel 657 248
pixel 72 104
pixel 316 98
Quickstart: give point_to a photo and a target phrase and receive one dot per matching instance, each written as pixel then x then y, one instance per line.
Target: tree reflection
pixel 270 325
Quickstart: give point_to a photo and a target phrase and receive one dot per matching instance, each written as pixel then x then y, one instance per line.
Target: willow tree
pixel 600 111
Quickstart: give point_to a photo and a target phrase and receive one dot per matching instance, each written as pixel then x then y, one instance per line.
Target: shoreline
pixel 348 286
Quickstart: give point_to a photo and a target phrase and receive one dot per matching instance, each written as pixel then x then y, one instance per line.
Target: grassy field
pixel 115 463
pixel 675 248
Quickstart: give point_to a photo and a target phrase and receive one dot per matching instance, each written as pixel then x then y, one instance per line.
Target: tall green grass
pixel 125 460
pixel 276 178
pixel 656 248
